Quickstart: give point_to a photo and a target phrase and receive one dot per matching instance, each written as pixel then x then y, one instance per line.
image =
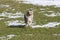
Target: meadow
pixel 10 7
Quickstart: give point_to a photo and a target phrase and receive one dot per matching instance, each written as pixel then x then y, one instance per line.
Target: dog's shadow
pixel 17 26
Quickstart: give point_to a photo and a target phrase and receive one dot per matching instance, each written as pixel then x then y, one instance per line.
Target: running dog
pixel 28 17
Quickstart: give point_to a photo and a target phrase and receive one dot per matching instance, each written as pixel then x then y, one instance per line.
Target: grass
pixel 28 33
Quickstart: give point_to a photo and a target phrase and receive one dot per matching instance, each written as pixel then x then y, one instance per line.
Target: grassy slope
pixel 29 33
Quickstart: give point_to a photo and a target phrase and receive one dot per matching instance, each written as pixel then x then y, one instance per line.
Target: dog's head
pixel 30 12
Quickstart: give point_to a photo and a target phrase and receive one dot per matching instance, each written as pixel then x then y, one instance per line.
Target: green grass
pixel 28 33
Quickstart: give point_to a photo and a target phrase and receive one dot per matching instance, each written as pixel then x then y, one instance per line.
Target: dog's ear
pixel 30 9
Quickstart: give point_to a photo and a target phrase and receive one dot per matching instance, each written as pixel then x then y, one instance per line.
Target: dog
pixel 28 17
